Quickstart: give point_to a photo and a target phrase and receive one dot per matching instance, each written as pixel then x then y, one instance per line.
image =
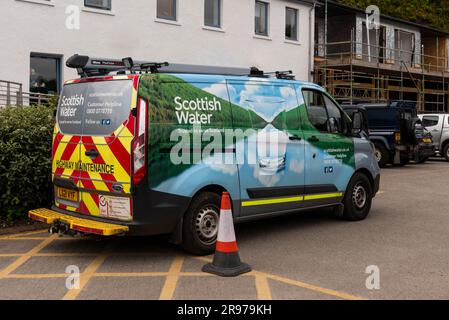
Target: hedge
pixel 25 159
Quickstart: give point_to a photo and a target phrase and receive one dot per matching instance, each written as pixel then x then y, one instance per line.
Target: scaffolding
pixel 355 72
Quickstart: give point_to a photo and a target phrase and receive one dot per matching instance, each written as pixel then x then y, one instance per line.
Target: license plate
pixel 67 194
pixel 427 141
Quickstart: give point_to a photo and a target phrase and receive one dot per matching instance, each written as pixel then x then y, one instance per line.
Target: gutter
pixel 311 39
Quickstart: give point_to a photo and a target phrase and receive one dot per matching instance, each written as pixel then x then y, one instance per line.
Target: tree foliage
pixel 433 13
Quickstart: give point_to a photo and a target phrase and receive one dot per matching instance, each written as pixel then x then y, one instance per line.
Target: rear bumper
pixel 426 150
pixel 77 224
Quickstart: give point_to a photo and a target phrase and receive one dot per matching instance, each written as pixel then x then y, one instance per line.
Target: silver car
pixel 438 125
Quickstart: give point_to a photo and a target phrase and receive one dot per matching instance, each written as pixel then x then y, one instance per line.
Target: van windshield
pixel 94 108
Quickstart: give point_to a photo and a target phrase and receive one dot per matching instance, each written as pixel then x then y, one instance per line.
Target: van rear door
pixel 106 135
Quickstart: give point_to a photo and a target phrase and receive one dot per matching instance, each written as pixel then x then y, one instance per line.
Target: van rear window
pixel 94 108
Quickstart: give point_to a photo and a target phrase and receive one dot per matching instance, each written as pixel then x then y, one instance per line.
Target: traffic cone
pixel 226 261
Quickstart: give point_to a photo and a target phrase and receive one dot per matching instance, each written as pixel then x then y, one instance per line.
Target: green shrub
pixel 25 159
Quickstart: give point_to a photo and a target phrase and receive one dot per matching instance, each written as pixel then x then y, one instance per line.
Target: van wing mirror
pixel 357 123
pixel 333 125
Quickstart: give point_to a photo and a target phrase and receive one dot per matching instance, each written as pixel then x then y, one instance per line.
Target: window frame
pixel 296 11
pixel 267 17
pixel 93 6
pixel 423 119
pixel 169 18
pixel 220 13
pixel 344 116
pixel 59 67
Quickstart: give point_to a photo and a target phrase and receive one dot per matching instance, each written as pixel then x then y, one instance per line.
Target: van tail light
pixel 397 137
pixel 139 146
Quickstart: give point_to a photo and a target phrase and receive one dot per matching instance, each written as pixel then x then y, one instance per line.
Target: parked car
pixel 395 130
pixel 438 126
pixel 425 148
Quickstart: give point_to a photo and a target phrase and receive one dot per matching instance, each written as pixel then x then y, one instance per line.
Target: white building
pixel 39 35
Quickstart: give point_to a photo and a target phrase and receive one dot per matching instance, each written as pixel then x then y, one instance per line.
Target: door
pixel 329 153
pixel 95 163
pixel 270 154
pixel 434 124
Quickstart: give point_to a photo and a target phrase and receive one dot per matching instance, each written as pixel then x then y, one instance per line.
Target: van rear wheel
pixel 358 198
pixel 200 225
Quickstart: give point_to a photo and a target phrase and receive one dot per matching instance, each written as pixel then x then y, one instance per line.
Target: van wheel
pixel 381 154
pixel 200 225
pixel 358 198
pixel 446 151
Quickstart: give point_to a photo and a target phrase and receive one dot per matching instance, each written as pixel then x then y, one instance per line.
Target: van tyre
pixel 200 224
pixel 358 198
pixel 382 155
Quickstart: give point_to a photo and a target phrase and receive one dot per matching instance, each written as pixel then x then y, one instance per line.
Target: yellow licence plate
pixel 426 140
pixel 67 194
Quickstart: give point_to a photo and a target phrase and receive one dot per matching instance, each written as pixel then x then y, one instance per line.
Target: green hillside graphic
pixel 160 91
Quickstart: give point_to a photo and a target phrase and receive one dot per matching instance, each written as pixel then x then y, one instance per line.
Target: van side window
pixel 316 109
pixel 334 112
pixel 429 121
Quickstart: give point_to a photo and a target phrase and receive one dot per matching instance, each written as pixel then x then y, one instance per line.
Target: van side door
pixel 270 151
pixel 329 153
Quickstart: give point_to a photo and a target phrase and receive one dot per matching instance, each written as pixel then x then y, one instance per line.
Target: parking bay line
pixel 85 276
pixel 26 256
pixel 171 282
pixel 304 285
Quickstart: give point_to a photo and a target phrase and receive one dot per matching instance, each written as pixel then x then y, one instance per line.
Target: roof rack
pixel 88 67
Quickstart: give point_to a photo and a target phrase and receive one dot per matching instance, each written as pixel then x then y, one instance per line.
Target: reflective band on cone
pixel 226 259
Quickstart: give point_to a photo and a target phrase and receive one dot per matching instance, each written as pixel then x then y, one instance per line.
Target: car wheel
pixel 446 152
pixel 358 198
pixel 200 225
pixel 381 154
pixel 422 160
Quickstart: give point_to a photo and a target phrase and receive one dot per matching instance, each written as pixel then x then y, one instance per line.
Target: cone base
pixel 227 272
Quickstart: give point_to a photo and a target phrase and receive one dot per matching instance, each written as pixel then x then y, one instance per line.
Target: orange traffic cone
pixel 226 259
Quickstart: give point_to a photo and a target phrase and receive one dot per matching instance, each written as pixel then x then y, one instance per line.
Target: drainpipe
pixel 311 39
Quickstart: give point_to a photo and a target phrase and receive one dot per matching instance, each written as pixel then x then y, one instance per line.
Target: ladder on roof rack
pixel 88 67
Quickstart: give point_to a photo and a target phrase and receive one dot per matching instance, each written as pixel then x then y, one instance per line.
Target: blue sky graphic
pixel 263 97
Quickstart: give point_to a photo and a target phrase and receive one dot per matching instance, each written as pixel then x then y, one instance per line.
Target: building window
pixel 98 4
pixel 166 9
pixel 45 73
pixel 261 18
pixel 212 13
pixel 291 24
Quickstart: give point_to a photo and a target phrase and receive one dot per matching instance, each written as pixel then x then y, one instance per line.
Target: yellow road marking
pixel 312 287
pixel 36 276
pixel 172 276
pixel 262 287
pixel 85 276
pixel 304 285
pixel 25 257
pixel 172 279
pixel 12 236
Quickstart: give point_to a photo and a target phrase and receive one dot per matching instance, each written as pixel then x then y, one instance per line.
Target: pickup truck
pixel 438 125
pixel 395 130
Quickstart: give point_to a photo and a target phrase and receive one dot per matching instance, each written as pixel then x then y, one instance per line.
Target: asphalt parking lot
pixel 304 256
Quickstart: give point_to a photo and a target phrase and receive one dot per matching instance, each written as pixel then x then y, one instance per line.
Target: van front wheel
pixel 200 225
pixel 358 198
